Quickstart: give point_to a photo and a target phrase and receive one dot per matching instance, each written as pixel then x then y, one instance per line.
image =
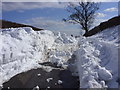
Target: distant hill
pixel 104 25
pixel 9 24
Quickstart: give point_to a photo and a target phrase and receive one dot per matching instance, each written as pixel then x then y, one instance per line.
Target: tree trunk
pixel 86 30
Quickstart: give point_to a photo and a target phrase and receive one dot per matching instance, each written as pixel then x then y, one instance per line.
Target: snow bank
pixel 97 60
pixel 62 38
pixel 64 47
pixel 23 48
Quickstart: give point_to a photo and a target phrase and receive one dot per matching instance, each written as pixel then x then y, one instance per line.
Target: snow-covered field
pixel 96 61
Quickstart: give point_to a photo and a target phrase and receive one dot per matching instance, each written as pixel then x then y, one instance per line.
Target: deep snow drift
pixel 97 60
pixel 23 48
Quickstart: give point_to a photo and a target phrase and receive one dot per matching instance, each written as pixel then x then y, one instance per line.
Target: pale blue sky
pixel 49 15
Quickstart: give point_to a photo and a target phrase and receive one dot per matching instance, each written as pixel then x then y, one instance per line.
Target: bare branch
pixel 82 13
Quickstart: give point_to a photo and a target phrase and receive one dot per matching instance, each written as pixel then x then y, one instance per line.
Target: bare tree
pixel 82 13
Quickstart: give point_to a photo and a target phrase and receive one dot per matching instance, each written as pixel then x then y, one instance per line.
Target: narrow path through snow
pixel 57 78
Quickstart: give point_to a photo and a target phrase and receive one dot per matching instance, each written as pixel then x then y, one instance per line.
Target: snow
pixel 97 60
pixel 38 74
pixel 63 38
pixel 49 79
pixel 8 88
pixel 60 82
pixel 62 49
pixel 48 87
pixel 22 49
pixel 36 88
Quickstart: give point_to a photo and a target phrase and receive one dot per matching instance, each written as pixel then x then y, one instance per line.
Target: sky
pixel 49 15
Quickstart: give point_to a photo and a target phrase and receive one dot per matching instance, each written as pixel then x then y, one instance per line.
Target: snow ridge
pixel 97 60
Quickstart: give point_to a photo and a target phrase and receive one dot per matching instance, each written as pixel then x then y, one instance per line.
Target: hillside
pixel 104 25
pixel 9 24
